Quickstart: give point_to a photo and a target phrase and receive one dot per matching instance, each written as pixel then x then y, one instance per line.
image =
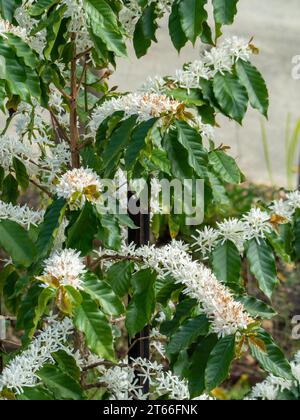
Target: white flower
pixel 269 389
pixel 22 215
pixel 257 224
pixel 218 60
pixel 293 200
pixel 227 316
pixel 232 230
pixel 79 186
pixel 22 370
pixel 153 85
pixel 238 48
pixel 11 147
pixel 282 208
pixel 206 240
pixel 64 268
pixel 145 106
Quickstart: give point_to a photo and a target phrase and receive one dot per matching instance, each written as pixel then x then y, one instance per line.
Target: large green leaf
pixel 45 297
pixel 145 30
pixel 21 173
pixel 23 80
pixel 219 362
pixel 8 8
pixel 262 265
pixel 91 321
pixel 22 50
pixel 102 292
pixel 49 228
pixel 177 35
pixel 142 303
pixel 178 156
pixel 67 364
pixel 256 307
pixel 225 11
pixel 192 15
pixel 225 166
pixel 118 141
pixel 191 141
pixel 86 222
pixel 37 393
pixel 41 6
pixel 271 358
pixel 16 242
pixel 231 96
pixel 199 359
pixel 63 386
pixel 256 87
pixel 184 310
pixel 137 142
pixel 103 22
pixel 188 334
pixel 119 277
pixel 227 264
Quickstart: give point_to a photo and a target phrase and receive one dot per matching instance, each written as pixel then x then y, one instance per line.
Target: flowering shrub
pixel 75 284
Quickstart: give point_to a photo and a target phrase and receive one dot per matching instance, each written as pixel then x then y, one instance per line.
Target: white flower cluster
pixel 11 147
pixel 78 186
pixel 64 267
pixel 218 60
pixel 132 11
pixel 123 384
pixel 227 316
pixel 145 106
pixel 272 386
pixel 22 215
pixel 254 225
pixel 78 25
pixel 22 371
pixel 40 158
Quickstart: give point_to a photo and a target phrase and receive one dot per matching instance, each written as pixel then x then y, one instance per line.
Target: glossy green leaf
pixel 256 307
pixel 21 173
pixel 102 292
pixel 225 166
pixel 231 96
pixel 190 139
pixel 145 30
pixel 177 34
pixel 192 15
pixel 91 321
pixel 219 362
pixel 16 242
pixel 225 11
pixel 119 277
pixel 227 263
pixel 262 265
pixel 188 334
pixel 137 142
pixel 63 386
pixel 255 85
pixel 103 22
pixel 86 222
pixel 49 228
pixel 8 8
pixel 198 364
pixel 272 359
pixel 142 303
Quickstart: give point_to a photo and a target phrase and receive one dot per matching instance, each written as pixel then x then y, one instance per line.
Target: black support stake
pixel 141 348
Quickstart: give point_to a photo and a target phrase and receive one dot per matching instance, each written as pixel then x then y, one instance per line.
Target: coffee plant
pixel 73 285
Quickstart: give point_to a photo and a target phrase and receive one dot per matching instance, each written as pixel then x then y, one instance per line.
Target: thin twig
pixel 115 258
pixel 80 55
pixel 82 75
pixel 43 189
pixel 135 342
pixel 62 131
